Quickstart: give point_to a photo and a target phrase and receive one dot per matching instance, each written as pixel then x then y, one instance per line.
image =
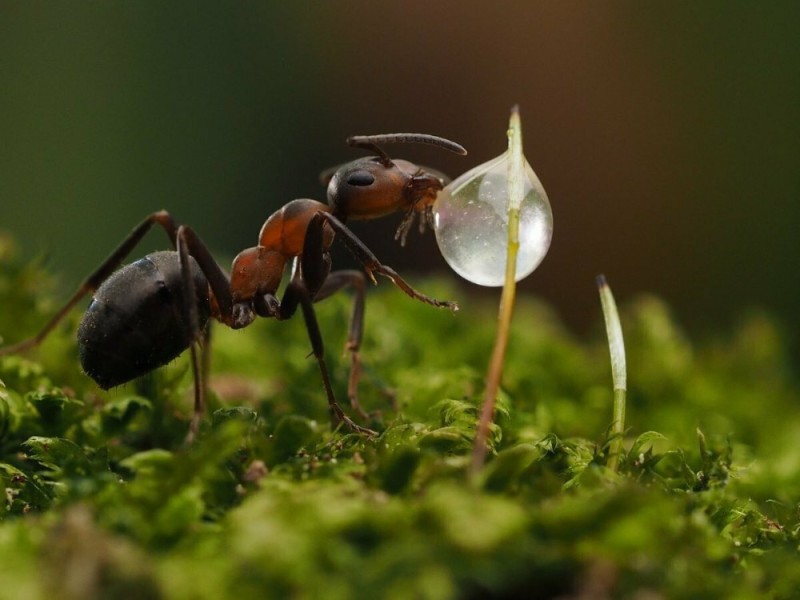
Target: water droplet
pixel 471 223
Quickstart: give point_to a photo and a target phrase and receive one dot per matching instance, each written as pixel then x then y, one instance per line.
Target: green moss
pixel 102 499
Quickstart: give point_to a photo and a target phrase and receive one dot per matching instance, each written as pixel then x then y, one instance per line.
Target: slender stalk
pixel 516 188
pixel 617 429
pixel 619 374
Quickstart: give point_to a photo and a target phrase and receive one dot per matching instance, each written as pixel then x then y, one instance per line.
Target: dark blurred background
pixel 667 134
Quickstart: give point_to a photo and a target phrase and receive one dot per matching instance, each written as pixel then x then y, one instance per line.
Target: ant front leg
pixel 372 265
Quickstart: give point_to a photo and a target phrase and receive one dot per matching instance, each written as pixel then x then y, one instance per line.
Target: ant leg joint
pixel 267 306
pixel 243 315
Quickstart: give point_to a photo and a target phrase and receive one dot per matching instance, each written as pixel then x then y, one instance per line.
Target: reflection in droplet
pixel 471 223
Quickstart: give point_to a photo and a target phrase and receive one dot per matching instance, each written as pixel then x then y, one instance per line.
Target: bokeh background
pixel 667 134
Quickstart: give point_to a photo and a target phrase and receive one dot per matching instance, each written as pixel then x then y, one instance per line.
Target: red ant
pixel 147 313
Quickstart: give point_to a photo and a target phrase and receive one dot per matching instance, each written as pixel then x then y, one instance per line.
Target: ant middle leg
pixel 297 294
pixel 333 283
pixel 311 282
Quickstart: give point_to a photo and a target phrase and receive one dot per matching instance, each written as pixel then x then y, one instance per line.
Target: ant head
pixel 372 187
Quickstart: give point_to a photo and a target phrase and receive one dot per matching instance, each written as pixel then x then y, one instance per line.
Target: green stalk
pixel 516 189
pixel 619 373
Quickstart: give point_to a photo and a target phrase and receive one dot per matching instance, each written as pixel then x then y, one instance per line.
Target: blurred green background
pixel 667 134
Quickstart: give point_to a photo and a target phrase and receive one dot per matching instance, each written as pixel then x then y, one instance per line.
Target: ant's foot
pixel 339 419
pixel 391 274
pixel 355 428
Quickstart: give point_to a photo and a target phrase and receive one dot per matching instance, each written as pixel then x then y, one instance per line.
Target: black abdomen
pixel 136 320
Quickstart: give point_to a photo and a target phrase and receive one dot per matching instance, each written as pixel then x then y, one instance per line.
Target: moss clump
pixel 102 500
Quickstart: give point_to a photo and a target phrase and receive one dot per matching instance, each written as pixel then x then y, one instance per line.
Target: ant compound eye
pixel 360 178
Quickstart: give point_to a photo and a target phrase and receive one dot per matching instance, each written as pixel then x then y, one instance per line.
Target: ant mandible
pixel 147 313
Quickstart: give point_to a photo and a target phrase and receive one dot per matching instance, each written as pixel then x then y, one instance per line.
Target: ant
pixel 147 313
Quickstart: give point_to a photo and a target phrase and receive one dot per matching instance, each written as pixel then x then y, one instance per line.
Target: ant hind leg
pixel 98 276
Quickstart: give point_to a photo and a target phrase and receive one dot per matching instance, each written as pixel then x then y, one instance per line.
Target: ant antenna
pixel 371 143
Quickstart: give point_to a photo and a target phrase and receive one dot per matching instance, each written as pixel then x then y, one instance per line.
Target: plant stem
pixel 516 189
pixel 617 429
pixel 619 372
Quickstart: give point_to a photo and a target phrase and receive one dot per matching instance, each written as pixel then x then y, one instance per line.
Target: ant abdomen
pixel 137 322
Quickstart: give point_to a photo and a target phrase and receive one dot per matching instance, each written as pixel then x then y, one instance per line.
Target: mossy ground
pixel 102 500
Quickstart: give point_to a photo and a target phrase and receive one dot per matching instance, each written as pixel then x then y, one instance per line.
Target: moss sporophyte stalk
pixel 619 370
pixel 494 225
